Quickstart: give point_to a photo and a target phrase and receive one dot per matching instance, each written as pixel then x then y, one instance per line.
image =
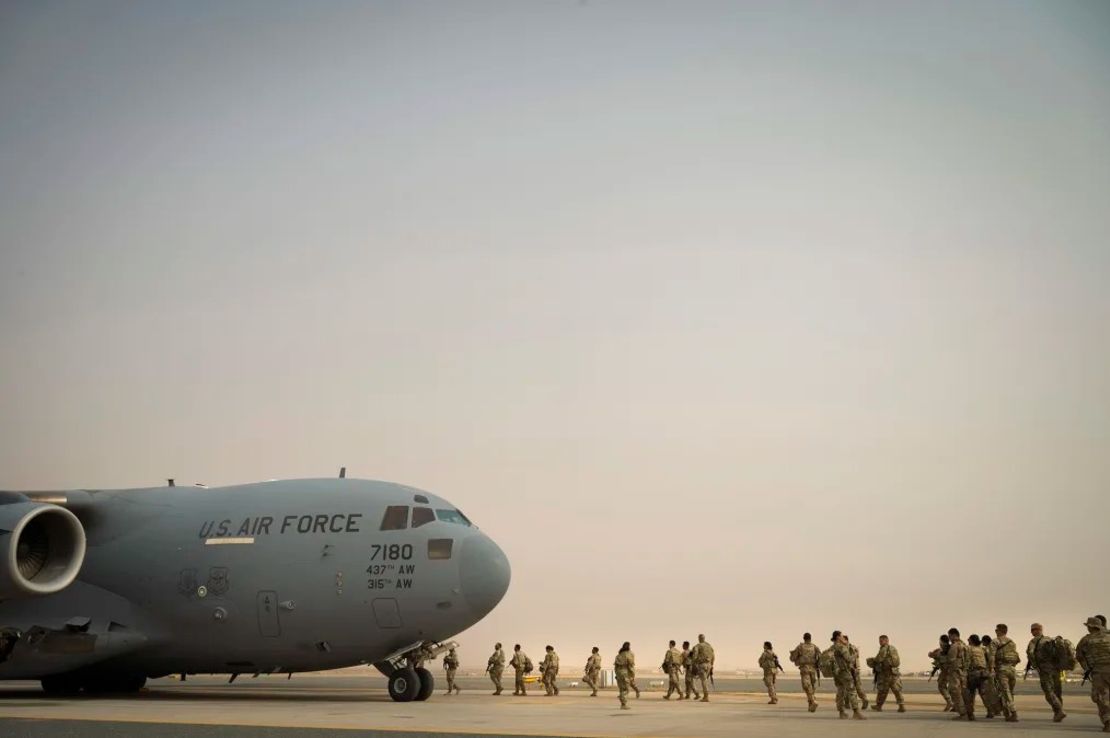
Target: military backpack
pixel 827 663
pixel 1063 653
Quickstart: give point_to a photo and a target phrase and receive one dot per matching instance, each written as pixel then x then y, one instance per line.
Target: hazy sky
pixel 743 318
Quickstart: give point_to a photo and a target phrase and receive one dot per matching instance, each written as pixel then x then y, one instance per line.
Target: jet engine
pixel 42 548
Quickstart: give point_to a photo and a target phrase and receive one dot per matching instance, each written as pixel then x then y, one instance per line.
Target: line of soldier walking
pixel 983 667
pixel 696 663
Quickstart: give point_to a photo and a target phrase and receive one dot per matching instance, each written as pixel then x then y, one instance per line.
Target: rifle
pixel 933 673
pixel 1028 666
pixel 711 677
pixel 779 666
pixel 1087 675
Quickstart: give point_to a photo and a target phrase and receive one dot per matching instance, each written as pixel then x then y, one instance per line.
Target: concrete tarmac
pixel 317 706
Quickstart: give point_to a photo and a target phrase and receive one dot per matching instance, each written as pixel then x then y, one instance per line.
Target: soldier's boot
pixel 901 707
pixel 1059 716
pixel 813 707
pixel 625 707
pixel 1106 727
pixel 857 715
pixel 705 697
pixel 637 692
pixel 843 715
pixel 1012 717
pixel 556 691
pixel 863 706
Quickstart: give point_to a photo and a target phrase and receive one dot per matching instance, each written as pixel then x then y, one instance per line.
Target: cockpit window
pixel 396 518
pixel 439 548
pixel 422 516
pixel 453 516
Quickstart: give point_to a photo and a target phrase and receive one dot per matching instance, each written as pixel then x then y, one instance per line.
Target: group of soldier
pixel 988 669
pixel 695 663
pixel 983 668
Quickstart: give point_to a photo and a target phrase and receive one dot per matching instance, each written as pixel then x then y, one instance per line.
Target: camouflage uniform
pixel 451 665
pixel 704 658
pixel 856 677
pixel 550 670
pixel 957 660
pixel 1040 654
pixel 691 673
pixel 845 678
pixel 1005 675
pixel 519 662
pixel 625 667
pixel 940 662
pixel 672 664
pixel 496 667
pixel 979 680
pixel 767 661
pixel 805 656
pixel 592 673
pixel 887 676
pixel 1093 653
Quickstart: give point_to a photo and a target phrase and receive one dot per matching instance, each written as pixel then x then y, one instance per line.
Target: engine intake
pixel 42 548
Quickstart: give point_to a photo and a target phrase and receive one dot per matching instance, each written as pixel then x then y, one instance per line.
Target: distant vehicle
pixel 109 587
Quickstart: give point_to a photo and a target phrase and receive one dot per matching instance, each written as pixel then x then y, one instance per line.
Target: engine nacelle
pixel 42 548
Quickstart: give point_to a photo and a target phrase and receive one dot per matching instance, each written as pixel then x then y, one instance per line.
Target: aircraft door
pixel 268 624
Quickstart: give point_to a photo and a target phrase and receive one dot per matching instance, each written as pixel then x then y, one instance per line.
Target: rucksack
pixel 528 665
pixel 1008 654
pixel 895 659
pixel 1063 654
pixel 827 663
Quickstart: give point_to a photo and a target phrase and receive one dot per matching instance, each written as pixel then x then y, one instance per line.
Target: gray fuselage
pixel 276 576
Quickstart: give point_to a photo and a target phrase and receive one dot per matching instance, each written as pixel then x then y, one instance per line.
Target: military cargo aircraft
pixel 102 589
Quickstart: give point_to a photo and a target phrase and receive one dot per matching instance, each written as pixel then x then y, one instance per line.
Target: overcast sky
pixel 739 318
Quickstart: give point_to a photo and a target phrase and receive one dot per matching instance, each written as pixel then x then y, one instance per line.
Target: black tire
pixel 113 683
pixel 427 684
pixel 61 685
pixel 404 685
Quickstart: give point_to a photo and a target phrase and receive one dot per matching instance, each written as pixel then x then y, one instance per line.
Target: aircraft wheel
pixel 427 684
pixel 61 685
pixel 404 685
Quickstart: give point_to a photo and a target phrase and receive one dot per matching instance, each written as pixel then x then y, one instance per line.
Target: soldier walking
pixel 592 673
pixel 769 662
pixel 860 692
pixel 690 671
pixel 888 678
pixel 495 667
pixel 521 665
pixel 550 670
pixel 451 666
pixel 1005 674
pixel 978 676
pixel 703 659
pixel 625 667
pixel 844 668
pixel 1093 653
pixel 958 660
pixel 672 665
pixel 805 656
pixel 1040 654
pixel 939 655
pixel 994 707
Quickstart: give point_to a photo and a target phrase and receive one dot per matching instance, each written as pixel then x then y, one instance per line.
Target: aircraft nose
pixel 484 573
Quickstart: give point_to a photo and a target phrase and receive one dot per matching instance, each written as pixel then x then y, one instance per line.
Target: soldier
pixel 958 660
pixel 703 659
pixel 1093 653
pixel 1041 655
pixel 769 662
pixel 592 674
pixel 625 667
pixel 887 676
pixel 994 706
pixel 805 656
pixel 549 670
pixel 495 667
pixel 844 666
pixel 672 665
pixel 691 671
pixel 1005 675
pixel 856 674
pixel 978 676
pixel 451 666
pixel 939 655
pixel 521 665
